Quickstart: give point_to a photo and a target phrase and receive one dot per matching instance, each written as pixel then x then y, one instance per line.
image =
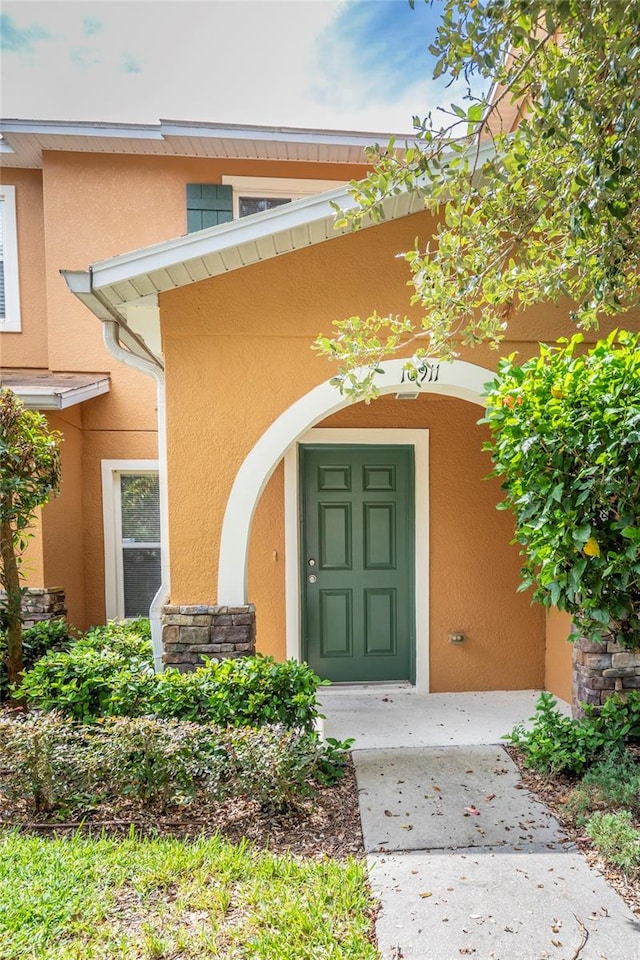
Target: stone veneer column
pixel 600 670
pixel 41 603
pixel 189 631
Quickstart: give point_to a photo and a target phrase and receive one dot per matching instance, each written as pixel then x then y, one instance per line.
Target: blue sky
pixel 342 64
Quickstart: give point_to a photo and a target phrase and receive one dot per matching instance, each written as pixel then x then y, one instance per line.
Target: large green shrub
pixel 566 442
pixel 557 744
pixel 80 681
pixel 109 672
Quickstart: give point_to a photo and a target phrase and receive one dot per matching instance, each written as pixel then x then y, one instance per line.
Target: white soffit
pixel 43 390
pixel 23 141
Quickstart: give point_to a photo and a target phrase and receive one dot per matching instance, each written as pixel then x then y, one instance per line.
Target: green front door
pixel 357 561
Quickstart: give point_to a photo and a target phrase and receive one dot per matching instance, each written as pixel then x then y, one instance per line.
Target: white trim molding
pixel 419 440
pixel 11 322
pixel 457 378
pixel 112 526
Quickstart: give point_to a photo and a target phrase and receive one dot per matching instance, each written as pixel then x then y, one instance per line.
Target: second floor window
pixel 9 287
pixel 249 205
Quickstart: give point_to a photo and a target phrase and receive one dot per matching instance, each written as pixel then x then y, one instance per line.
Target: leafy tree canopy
pixel 545 211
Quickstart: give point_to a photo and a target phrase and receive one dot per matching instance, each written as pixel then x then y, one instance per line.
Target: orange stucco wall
pixel 80 208
pixel 558 654
pixel 238 354
pixel 63 520
pixel 29 347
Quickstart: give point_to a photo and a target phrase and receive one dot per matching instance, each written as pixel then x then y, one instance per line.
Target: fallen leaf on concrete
pixel 472 811
pixel 467 950
pixel 388 813
pixel 489 797
pixel 406 826
pixel 556 943
pixel 425 894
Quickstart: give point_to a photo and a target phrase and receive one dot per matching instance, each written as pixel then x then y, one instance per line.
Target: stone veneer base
pixel 41 603
pixel 190 631
pixel 600 670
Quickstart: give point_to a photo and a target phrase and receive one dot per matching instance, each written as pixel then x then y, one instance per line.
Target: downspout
pixel 111 339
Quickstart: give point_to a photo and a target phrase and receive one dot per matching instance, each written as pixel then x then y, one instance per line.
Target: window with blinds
pixel 140 541
pixel 249 205
pixel 9 287
pixel 3 299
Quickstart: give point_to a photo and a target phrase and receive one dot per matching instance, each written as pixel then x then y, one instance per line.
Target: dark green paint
pixel 208 205
pixel 357 519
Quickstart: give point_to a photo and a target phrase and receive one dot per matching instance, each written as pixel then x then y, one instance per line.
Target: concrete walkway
pixel 465 862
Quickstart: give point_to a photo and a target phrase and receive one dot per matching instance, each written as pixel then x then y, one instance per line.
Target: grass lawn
pixel 82 898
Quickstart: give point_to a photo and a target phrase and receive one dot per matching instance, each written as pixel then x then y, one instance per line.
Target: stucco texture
pixel 238 352
pixel 79 208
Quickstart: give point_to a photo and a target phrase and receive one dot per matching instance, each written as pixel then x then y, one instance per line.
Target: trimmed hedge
pixel 109 673
pixel 59 767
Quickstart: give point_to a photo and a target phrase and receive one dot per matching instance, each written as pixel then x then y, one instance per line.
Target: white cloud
pixel 237 61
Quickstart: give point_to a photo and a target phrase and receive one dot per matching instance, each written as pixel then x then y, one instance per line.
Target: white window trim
pixel 12 324
pixel 419 439
pixel 275 187
pixel 112 526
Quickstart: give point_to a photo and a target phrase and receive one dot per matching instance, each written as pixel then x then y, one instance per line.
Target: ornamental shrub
pixel 36 641
pixel 566 442
pixel 109 673
pixel 57 766
pixel 556 743
pixel 611 784
pixel 616 838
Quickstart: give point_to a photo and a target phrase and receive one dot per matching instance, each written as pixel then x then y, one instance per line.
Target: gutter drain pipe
pixel 112 343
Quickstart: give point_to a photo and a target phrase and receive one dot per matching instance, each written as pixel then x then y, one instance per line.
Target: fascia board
pixel 82 129
pixel 175 128
pixel 52 398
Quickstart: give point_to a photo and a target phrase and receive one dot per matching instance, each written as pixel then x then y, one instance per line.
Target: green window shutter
pixel 208 204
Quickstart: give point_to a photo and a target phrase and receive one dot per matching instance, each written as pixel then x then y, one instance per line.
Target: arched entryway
pixel 457 379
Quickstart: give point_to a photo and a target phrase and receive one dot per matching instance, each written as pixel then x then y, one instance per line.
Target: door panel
pixel 358 549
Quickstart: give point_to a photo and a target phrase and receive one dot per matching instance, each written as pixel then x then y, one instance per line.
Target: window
pixel 257 194
pixel 131 511
pixel 249 205
pixel 9 288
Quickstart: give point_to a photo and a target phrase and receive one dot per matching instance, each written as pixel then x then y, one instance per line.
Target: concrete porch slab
pixel 385 716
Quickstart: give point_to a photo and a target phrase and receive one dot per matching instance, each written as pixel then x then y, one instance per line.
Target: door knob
pixel 312 578
pixel 311 562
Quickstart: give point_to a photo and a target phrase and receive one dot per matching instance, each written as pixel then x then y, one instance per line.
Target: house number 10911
pixel 423 372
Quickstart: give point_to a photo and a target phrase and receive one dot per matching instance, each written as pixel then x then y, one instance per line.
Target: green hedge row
pixel 108 672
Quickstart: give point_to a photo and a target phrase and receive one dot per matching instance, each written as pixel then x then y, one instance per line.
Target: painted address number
pixel 424 372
